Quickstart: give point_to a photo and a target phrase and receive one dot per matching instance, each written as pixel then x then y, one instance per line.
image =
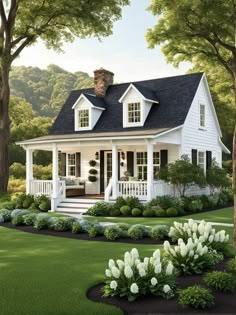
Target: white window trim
pixel 77 128
pixel 67 165
pixel 199 115
pixel 126 123
pixel 204 152
pixel 136 165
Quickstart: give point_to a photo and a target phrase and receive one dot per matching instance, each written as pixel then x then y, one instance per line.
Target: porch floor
pixel 98 196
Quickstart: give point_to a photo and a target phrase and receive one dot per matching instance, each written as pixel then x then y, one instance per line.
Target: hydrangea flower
pixel 115 272
pixel 154 281
pixel 142 272
pixel 128 272
pixel 113 285
pixel 169 268
pixel 111 263
pixel 166 288
pixel 108 273
pixel 134 288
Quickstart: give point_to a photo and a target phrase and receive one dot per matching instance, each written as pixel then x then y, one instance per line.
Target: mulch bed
pixel 82 236
pixel 225 303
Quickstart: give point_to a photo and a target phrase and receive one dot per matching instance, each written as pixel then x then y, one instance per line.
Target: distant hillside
pixel 46 89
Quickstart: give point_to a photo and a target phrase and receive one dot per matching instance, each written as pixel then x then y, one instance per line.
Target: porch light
pixel 96 156
pixel 121 164
pixel 122 155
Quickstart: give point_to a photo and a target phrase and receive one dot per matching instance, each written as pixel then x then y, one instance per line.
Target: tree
pixel 217 177
pixel 23 22
pixel 183 175
pixel 198 30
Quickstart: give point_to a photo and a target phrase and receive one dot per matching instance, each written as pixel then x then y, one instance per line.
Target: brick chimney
pixel 102 79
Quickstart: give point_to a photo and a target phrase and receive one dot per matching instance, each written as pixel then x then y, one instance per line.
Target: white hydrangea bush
pixel 134 276
pixel 191 257
pixel 204 231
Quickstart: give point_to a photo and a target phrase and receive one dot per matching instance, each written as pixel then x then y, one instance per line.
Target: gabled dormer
pixel 137 101
pixel 87 110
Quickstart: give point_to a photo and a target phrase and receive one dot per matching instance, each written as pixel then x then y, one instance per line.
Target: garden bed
pixel 81 236
pixel 225 303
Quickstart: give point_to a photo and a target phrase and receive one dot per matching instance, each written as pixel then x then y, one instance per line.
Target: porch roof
pixel 99 135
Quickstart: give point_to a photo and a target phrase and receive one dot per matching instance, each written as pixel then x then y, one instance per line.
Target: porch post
pixel 54 171
pixel 114 170
pixel 149 171
pixel 29 169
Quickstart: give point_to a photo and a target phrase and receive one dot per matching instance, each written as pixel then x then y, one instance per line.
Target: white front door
pixel 107 167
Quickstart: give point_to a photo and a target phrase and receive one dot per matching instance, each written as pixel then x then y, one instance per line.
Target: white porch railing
pixel 132 188
pixel 161 188
pixel 45 187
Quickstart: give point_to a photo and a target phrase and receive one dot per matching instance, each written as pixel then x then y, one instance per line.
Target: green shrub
pixel 231 266
pixel 196 297
pixel 148 213
pixel 195 205
pixel 123 226
pixel 6 214
pixel 10 205
pixel 136 212
pixel 1 219
pixel 94 230
pixel 100 209
pixel 120 202
pixel 159 232
pixel 181 212
pixel 61 224
pixel 114 212
pixel 136 232
pixel 29 219
pixel 213 200
pixel 112 232
pixel 160 213
pixel 19 213
pixel 223 199
pixel 125 210
pixel 29 199
pixel 165 202
pixel 133 202
pixel 42 222
pixel 45 206
pixel 220 281
pixel 76 228
pixel 172 212
pixel 205 201
pixel 19 200
pixel 230 194
pixel 34 206
pixel 18 220
pixel 85 225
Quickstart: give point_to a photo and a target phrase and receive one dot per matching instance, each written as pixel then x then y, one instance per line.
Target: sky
pixel 125 52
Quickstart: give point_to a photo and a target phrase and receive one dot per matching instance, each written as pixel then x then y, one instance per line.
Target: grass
pixel 222 215
pixel 50 275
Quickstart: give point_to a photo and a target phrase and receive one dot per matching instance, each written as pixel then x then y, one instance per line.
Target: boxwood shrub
pixel 137 231
pixel 125 210
pixel 101 208
pixel 76 228
pixel 18 220
pixel 42 221
pixel 160 213
pixel 172 212
pixel 148 213
pixel 220 281
pixel 29 219
pixel 196 297
pixel 95 230
pixel 159 232
pixel 136 212
pixel 112 232
pixel 6 214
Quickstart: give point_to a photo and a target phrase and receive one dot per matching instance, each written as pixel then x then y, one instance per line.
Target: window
pixel 71 164
pixel 202 116
pixel 134 112
pixel 83 118
pixel 156 164
pixel 142 165
pixel 201 159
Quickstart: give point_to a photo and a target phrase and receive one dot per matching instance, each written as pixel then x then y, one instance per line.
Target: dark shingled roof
pixel 146 92
pixel 96 101
pixel 175 96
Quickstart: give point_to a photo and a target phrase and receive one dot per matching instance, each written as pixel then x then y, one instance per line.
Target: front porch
pixel 118 169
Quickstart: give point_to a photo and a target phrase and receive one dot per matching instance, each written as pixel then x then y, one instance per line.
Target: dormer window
pixel 83 117
pixel 134 112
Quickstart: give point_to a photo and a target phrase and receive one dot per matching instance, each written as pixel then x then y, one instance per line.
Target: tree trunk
pixel 234 183
pixel 4 127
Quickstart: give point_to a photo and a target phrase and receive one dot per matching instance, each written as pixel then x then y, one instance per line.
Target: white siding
pixel 201 139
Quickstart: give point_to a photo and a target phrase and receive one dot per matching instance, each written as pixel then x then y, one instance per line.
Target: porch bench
pixel 74 187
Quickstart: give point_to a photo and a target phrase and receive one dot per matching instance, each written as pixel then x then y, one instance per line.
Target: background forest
pixel 38 95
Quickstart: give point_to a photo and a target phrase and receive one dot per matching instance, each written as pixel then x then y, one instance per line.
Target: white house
pixel 137 127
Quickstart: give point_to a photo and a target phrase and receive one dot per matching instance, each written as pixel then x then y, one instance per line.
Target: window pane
pixel 201 159
pixel 202 115
pixel 83 118
pixel 134 112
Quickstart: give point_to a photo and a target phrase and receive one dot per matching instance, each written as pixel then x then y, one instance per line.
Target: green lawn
pixel 46 275
pixel 222 215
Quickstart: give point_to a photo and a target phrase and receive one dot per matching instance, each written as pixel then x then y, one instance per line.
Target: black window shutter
pixel 194 156
pixel 78 164
pixel 101 171
pixel 164 158
pixel 208 159
pixel 118 165
pixel 130 162
pixel 63 164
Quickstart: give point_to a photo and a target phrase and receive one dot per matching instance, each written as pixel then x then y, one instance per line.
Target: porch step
pixel 69 205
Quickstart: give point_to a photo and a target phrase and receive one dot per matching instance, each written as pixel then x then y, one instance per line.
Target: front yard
pixel 50 275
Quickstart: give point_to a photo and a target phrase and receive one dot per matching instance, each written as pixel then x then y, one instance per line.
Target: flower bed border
pixel 80 236
pixel 224 302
